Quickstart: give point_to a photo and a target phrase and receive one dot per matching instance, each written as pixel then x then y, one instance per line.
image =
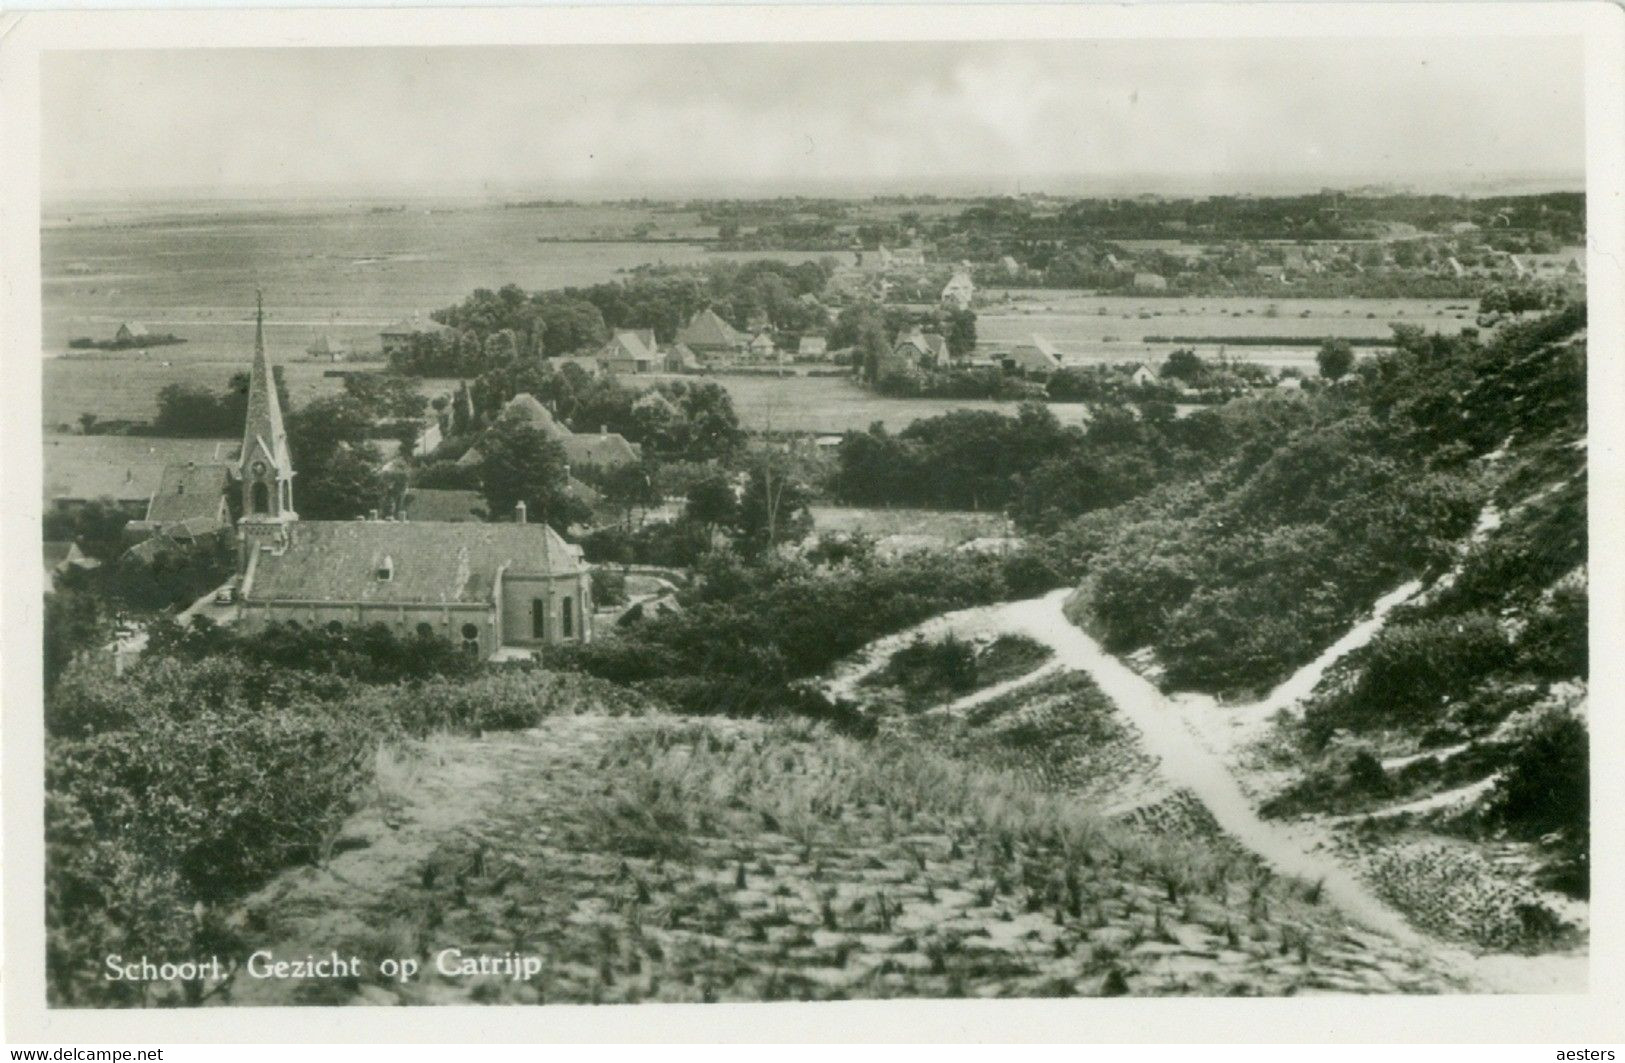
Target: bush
pixel 1546 786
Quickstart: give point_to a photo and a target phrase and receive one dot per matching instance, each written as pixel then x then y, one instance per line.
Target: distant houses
pixel 630 351
pixel 132 332
pixel 917 350
pixel 602 449
pixel 812 346
pixel 398 337
pixel 1037 356
pixel 959 292
pixel 326 349
pixel 712 338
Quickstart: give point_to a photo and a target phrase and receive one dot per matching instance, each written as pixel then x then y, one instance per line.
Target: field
pixel 1113 328
pixel 345 270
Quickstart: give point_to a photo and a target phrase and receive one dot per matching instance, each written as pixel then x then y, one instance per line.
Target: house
pixel 901 257
pixel 1010 266
pixel 712 338
pixel 630 351
pixel 1150 282
pixel 398 337
pixel 812 346
pixel 761 346
pixel 1039 356
pixel 132 332
pixel 680 358
pixel 1141 376
pixel 959 291
pixel 326 349
pixel 604 450
pixel 190 497
pixel 921 349
pixel 496 590
pixel 125 470
pixel 63 557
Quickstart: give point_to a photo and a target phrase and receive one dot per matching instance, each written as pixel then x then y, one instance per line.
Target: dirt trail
pixel 1194 739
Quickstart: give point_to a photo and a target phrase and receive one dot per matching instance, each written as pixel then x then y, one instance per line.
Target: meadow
pixel 1091 328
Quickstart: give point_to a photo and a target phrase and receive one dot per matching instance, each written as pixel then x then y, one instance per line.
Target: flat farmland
pixel 1089 328
pixel 836 404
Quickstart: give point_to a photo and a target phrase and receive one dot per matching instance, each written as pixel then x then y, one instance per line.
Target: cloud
pixel 656 117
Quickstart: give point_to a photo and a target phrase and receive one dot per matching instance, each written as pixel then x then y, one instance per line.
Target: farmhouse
pixel 812 346
pixel 326 349
pixel 605 449
pixel 920 349
pixel 959 291
pixel 124 470
pixel 761 345
pixel 497 590
pixel 1039 356
pixel 630 351
pixel 1141 376
pixel 190 500
pixel 712 338
pixel 398 337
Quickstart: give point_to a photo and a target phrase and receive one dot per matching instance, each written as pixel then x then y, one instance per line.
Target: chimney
pixel 519 513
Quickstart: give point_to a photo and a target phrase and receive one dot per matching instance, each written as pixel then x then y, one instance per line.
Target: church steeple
pixel 266 467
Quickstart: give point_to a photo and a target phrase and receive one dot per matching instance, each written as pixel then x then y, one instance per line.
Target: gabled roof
pixel 1040 354
pixel 708 329
pixel 526 408
pixel 430 562
pixel 188 491
pixel 608 448
pixel 123 468
pixel 636 345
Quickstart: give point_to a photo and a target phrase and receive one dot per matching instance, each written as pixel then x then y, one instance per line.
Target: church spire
pixel 267 468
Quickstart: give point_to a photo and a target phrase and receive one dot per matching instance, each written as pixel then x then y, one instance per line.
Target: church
pixel 500 591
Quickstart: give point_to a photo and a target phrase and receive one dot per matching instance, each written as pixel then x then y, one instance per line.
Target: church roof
pixel 430 562
pixel 263 433
pixel 435 504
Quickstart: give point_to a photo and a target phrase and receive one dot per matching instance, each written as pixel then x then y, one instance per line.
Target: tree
pixel 1335 358
pixel 1184 364
pixel 711 503
pixel 773 510
pixel 347 485
pixel 386 396
pixel 961 337
pixel 519 463
pixel 629 487
pixel 97 526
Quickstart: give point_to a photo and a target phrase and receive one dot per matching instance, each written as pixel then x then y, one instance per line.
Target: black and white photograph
pixel 796 521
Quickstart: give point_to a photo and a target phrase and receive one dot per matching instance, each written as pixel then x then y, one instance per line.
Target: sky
pixel 750 118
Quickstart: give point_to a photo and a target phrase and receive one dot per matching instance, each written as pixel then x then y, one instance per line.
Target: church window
pixel 538 618
pixel 566 618
pixel 335 628
pixel 262 499
pixel 471 640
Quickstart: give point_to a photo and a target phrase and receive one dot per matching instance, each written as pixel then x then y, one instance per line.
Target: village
pixel 1102 510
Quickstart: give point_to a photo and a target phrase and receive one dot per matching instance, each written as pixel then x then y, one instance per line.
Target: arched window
pixel 471 640
pixel 262 499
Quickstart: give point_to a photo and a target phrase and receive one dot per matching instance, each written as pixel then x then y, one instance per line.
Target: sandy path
pixel 1194 740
